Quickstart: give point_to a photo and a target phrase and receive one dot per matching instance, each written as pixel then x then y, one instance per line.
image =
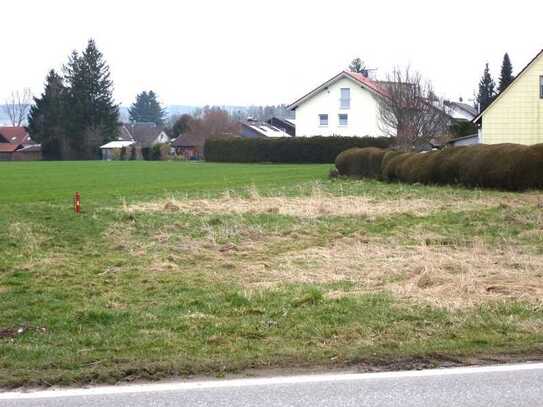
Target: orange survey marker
pixel 77 203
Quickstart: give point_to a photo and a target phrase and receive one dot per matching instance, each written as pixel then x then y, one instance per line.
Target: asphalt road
pixel 509 385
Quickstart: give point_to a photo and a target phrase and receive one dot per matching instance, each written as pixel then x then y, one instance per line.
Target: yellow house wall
pixel 517 116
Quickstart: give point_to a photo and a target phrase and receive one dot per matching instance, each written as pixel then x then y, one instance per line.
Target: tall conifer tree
pixel 93 114
pixel 147 109
pixel 486 89
pixel 46 119
pixel 506 75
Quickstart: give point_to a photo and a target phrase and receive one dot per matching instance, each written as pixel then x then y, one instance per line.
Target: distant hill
pixel 240 112
pixel 173 110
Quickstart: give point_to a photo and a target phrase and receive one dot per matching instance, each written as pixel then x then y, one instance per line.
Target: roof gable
pixel 503 92
pixel 368 84
pixel 144 134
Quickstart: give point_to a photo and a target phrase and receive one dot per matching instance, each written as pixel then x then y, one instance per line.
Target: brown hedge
pixel 502 166
pixel 361 162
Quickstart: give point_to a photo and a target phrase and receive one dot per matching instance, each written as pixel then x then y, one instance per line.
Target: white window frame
pixel 323 123
pixel 345 102
pixel 346 119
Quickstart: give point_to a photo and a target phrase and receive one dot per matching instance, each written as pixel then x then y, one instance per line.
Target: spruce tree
pixel 147 109
pixel 506 75
pixel 358 66
pixel 486 89
pixel 92 117
pixel 46 118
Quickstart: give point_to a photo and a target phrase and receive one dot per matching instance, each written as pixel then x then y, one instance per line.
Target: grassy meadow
pixel 181 268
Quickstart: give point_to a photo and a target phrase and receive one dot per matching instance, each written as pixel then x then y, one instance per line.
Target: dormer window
pixel 345 98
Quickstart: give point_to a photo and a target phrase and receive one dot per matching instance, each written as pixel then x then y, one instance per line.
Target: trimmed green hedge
pixel 502 166
pixel 287 149
pixel 361 162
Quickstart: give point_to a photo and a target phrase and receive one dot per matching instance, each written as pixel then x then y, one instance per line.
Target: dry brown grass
pixel 447 276
pixel 24 235
pixel 316 205
pixel 433 270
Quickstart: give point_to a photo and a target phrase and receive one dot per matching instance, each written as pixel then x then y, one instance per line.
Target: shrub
pixel 155 152
pixel 286 150
pixel 361 162
pixel 146 153
pixel 123 154
pixel 502 166
pixel 391 164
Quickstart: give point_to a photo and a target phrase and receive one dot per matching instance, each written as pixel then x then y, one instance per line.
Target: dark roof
pixel 507 87
pixel 15 135
pixel 143 134
pixel 454 140
pixel 189 140
pixel 124 134
pixel 463 106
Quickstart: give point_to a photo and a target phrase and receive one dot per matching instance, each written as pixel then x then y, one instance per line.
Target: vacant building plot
pixel 204 274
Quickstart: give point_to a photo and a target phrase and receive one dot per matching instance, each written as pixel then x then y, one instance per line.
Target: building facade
pixel 516 115
pixel 346 105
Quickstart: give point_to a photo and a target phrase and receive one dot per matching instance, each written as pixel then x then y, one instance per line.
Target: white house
pixel 346 105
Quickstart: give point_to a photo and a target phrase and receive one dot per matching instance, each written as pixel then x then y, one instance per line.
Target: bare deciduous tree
pixel 17 106
pixel 411 111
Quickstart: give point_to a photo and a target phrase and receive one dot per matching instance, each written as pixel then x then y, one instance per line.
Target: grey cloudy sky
pixel 255 52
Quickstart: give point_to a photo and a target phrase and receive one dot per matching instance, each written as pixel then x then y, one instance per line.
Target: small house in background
pixel 112 150
pixel 16 145
pixel 460 111
pixel 140 137
pixel 145 135
pixel 516 114
pixel 286 125
pixel 189 146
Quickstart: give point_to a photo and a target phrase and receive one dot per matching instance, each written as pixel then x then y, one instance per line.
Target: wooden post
pixel 77 203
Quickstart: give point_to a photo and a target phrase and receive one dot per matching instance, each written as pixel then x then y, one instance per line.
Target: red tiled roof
pixel 15 135
pixel 8 147
pixel 369 84
pixel 372 85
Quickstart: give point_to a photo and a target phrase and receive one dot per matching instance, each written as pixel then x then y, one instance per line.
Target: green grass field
pixel 179 268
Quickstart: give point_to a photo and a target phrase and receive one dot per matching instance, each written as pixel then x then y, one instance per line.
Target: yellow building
pixel 516 115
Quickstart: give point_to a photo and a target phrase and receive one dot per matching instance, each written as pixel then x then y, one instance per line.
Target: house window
pixel 343 119
pixel 541 87
pixel 323 119
pixel 345 98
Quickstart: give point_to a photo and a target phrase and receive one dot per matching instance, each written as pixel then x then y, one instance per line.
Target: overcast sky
pixel 255 52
